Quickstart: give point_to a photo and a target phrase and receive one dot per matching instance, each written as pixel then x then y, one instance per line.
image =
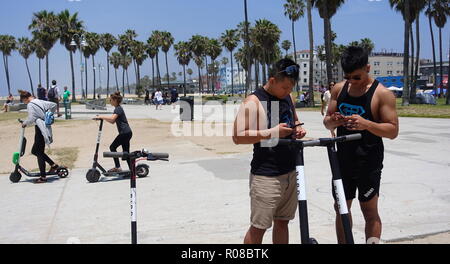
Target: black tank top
pixel 367 153
pixel 279 160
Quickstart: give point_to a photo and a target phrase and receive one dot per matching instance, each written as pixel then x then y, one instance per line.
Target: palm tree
pixel 184 55
pixel 7 45
pixel 197 46
pixel 115 60
pixel 155 41
pixel 69 25
pixel 230 40
pixel 404 7
pixel 45 28
pixel 166 43
pixel 138 53
pixel 430 13
pixel 214 50
pixel 327 9
pixel 86 53
pixel 40 54
pixel 26 48
pixel 93 40
pixel 107 41
pixel 266 36
pixel 286 45
pixel 418 7
pixel 224 61
pixel 311 51
pixel 440 10
pixel 123 47
pixel 152 51
pixel 294 10
pixel 126 62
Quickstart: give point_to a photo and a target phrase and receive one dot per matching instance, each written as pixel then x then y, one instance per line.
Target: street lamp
pixel 83 44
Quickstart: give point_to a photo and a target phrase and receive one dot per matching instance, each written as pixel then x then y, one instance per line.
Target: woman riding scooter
pixel 36 114
pixel 125 133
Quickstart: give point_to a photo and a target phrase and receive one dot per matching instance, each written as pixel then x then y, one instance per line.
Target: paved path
pixel 206 201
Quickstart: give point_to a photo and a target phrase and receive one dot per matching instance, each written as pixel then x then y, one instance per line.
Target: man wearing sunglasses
pixel 269 113
pixel 361 105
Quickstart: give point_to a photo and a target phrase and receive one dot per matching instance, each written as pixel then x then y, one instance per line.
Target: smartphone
pixel 301 124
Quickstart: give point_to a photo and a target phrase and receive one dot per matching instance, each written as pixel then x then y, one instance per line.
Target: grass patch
pixel 9 116
pixel 65 156
pixel 440 110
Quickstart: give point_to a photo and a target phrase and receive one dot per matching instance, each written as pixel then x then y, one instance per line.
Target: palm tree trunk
pixel 40 72
pixel 447 102
pixel 416 69
pixel 327 28
pixel 93 69
pixel 135 71
pixel 256 74
pixel 29 76
pixel 311 52
pixel 167 69
pixel 434 50
pixel 441 70
pixel 73 76
pixel 412 86
pixel 123 81
pixel 47 74
pixel 107 78
pixel 117 81
pixel 405 101
pixel 128 83
pixel 295 53
pixel 232 72
pixel 5 63
pixel 157 70
pixel 207 74
pixel 86 78
pixel 184 74
pixel 153 73
pixel 200 84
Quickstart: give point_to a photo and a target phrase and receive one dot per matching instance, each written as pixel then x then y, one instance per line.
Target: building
pixel 427 73
pixel 225 75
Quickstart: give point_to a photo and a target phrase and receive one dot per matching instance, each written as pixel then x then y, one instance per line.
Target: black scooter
pixel 338 187
pixel 61 172
pixel 93 175
pixel 133 157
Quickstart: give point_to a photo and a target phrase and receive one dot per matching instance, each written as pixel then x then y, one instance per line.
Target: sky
pixel 355 20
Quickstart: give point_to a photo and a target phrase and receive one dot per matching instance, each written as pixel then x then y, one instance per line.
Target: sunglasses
pixel 356 78
pixel 291 71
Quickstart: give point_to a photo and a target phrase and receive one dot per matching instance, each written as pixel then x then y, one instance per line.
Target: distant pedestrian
pixel 159 100
pixel 42 93
pixel 54 96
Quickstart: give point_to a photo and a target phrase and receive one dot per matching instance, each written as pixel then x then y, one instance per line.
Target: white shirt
pixel 158 96
pixel 327 99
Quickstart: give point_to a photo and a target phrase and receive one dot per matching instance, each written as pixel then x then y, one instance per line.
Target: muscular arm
pixel 388 126
pixel 246 125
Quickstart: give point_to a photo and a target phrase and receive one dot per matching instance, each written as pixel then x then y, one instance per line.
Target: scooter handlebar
pixel 319 142
pixel 158 156
pixel 114 154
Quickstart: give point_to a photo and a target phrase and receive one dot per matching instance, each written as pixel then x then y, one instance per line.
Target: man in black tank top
pixel 270 113
pixel 361 105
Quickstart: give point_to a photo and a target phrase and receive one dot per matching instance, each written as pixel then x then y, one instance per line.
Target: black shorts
pixel 367 182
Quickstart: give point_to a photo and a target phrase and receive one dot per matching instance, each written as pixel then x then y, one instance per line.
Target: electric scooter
pixel 93 175
pixel 133 157
pixel 61 172
pixel 337 183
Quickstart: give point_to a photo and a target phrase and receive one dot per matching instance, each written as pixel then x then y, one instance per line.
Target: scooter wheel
pixel 15 177
pixel 313 241
pixel 142 170
pixel 93 176
pixel 63 173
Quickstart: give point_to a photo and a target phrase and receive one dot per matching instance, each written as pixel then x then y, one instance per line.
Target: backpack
pixel 52 93
pixel 49 117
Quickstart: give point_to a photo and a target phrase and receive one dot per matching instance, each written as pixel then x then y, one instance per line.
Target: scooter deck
pixel 117 174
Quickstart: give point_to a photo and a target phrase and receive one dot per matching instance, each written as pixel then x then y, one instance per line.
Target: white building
pixel 226 75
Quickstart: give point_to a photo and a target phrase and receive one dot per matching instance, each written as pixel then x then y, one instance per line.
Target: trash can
pixel 187 108
pixel 68 109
